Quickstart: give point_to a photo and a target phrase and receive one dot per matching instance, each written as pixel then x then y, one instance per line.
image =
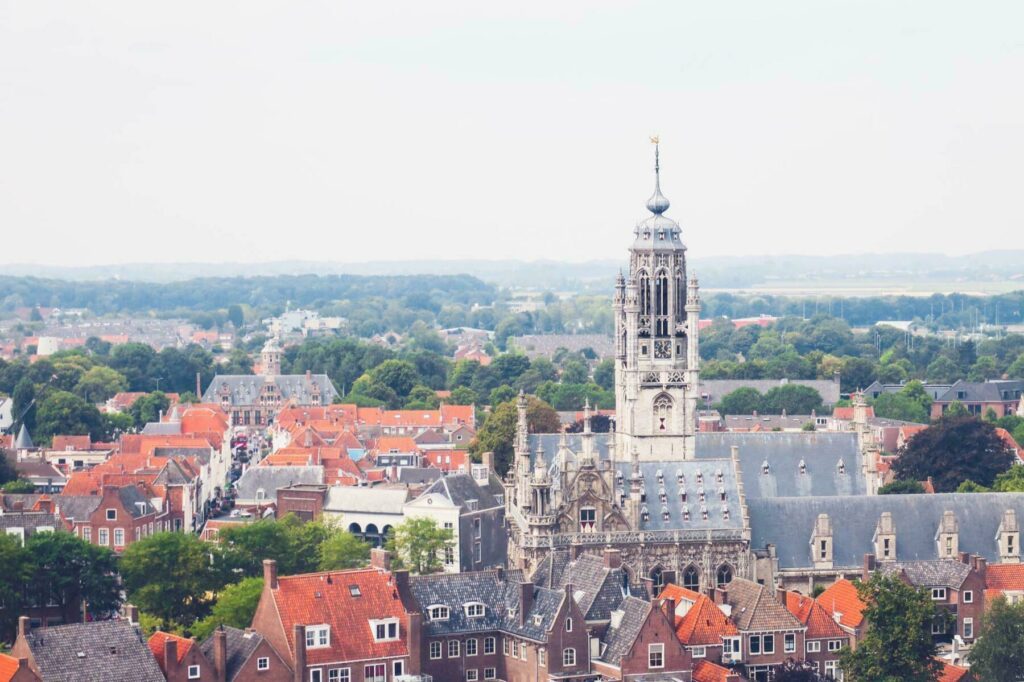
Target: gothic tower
pixel 657 362
pixel 270 358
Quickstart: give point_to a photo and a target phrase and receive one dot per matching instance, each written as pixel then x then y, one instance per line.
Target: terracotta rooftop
pixel 704 624
pixel 841 597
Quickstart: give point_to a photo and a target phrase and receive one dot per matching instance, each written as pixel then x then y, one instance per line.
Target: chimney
pixel 488 461
pixel 649 589
pixel 23 627
pixel 131 612
pixel 719 596
pixel 868 567
pixel 981 567
pixel 220 654
pixel 525 601
pixel 270 574
pixel 668 607
pixel 612 558
pixel 965 558
pixel 170 657
pixel 414 642
pixel 380 558
pixel 299 644
pixel 780 595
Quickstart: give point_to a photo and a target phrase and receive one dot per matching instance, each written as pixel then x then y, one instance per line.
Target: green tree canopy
pixel 149 407
pixel 16 574
pixel 498 432
pixel 902 488
pixel 235 607
pixel 417 544
pixel 953 450
pixel 67 570
pixel 99 384
pixel 343 550
pixel 899 406
pixel 792 399
pixel 64 413
pixel 744 400
pixel 998 653
pixel 898 646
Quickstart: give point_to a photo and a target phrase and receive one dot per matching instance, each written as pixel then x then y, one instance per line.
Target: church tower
pixel 270 358
pixel 657 363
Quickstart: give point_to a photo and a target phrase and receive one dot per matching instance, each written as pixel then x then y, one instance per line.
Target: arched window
pixel 680 295
pixel 657 579
pixel 663 412
pixel 645 294
pixel 661 304
pixel 691 578
pixel 723 576
pixel 354 529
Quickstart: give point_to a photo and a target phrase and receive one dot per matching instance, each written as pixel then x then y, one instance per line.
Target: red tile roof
pixel 8 667
pixel 71 443
pixel 1005 577
pixel 458 414
pixel 403 444
pixel 841 597
pixel 706 671
pixel 820 625
pixel 327 599
pixel 704 624
pixel 156 645
pixel 846 413
pixel 952 673
pixel 678 593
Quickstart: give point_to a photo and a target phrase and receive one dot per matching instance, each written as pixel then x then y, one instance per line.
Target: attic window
pixel 538 620
pixel 803 467
pixel 645 515
pixel 664 514
pixel 355 591
pixel 680 479
pixel 842 466
pixel 475 609
pixel 721 494
pixel 662 495
pixel 725 513
pixel 682 496
pixel 686 513
pixel 438 612
pixel 718 475
pixel 700 476
pixel 661 477
pixel 765 469
pixel 704 512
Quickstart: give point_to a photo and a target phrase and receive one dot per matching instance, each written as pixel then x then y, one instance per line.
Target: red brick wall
pixel 306 504
pixel 656 630
pixel 454 668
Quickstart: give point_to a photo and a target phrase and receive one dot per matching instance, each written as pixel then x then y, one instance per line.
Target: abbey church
pixel 797 509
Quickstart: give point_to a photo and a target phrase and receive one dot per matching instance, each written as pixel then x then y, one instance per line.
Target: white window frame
pixel 699 652
pixel 263 663
pixel 655 650
pixel 764 644
pixel 386 623
pixel 316 675
pixel 454 648
pixel 938 593
pixel 318 636
pixel 835 644
pixel 431 650
pixel 194 672
pixel 111 514
pixel 119 537
pixel 568 624
pixel 103 537
pixel 339 675
pixel 490 673
pixel 968 596
pixel 813 646
pixel 472 646
pixel 542 656
pixel 568 657
pixel 489 645
pixel 472 675
pixel 475 609
pixel 789 643
pixel 968 628
pixel 438 612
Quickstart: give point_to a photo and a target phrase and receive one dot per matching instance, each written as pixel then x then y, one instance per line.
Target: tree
pixel 792 399
pixel 1016 368
pixel 418 544
pixel 793 670
pixel 899 406
pixel 67 571
pixel 99 384
pixel 169 575
pixel 235 607
pixel 64 413
pixel 983 369
pixel 953 450
pixel 902 488
pixel 236 316
pixel 19 486
pixel 857 373
pixel 462 395
pixel 422 398
pixel 398 375
pixel 943 370
pixel 134 361
pixel 23 408
pixel 575 372
pixel 744 400
pixel 16 574
pixel 898 646
pixel 498 432
pixel 604 374
pixel 149 407
pixel 998 653
pixel 343 550
pixel 7 471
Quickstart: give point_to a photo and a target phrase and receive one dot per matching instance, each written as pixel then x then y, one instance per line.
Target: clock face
pixel 662 349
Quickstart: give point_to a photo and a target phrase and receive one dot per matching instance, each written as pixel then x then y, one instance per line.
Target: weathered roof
pixel 841 599
pixel 245 389
pixel 984 391
pixel 755 608
pixel 788 523
pixel 270 478
pixel 461 489
pixel 630 618
pixel 240 645
pixel 597 589
pixel 939 573
pixel 418 475
pixel 29 521
pixel 366 500
pixel 77 507
pixel 100 651
pixel 704 624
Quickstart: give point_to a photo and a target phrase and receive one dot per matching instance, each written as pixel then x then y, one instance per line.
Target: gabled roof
pixel 952 673
pixel 269 479
pixel 704 624
pixel 597 589
pixel 329 599
pixel 100 651
pixel 240 646
pixel 630 617
pixel 369 500
pixel 8 667
pixel 156 645
pixel 706 671
pixel 841 598
pixel 820 625
pixel 1004 577
pixel 755 608
pixel 461 489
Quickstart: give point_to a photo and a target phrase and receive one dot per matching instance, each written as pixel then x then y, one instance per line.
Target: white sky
pixel 348 131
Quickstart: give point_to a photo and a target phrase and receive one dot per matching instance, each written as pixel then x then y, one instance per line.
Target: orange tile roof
pixel 706 671
pixel 678 593
pixel 704 624
pixel 8 667
pixel 448 460
pixel 846 413
pixel 411 418
pixel 156 645
pixel 820 625
pixel 952 673
pixel 396 444
pixel 71 443
pixel 461 414
pixel 1005 577
pixel 327 599
pixel 841 597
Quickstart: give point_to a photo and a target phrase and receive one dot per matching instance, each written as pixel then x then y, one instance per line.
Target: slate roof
pixel 270 478
pixel 135 501
pixel 28 520
pixel 984 391
pixel 939 573
pixel 789 523
pixel 101 651
pixel 619 640
pixel 245 389
pixel 366 500
pixel 240 646
pixel 77 507
pixel 461 489
pixel 418 475
pixel 597 589
pixel 500 594
pixel 755 608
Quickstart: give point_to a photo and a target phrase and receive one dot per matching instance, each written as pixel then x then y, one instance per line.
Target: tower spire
pixel 658 203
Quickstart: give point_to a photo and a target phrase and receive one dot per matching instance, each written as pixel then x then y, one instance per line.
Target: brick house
pixel 641 641
pixel 13 669
pixel 843 605
pixel 956 586
pixel 488 625
pixel 243 655
pixel 1002 396
pixel 117 517
pixel 824 637
pixel 769 633
pixel 339 625
pixel 180 658
pixel 703 628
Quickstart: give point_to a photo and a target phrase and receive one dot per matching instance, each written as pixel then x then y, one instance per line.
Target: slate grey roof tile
pixel 619 640
pixel 101 651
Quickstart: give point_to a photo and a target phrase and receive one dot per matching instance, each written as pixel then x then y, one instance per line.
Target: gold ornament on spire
pixel 655 139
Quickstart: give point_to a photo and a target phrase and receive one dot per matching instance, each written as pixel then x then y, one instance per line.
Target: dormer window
pixel 645 515
pixel 725 513
pixel 704 512
pixel 765 469
pixel 686 513
pixel 662 495
pixel 318 636
pixel 841 466
pixel 475 610
pixel 700 477
pixel 664 514
pixel 385 630
pixel 680 479
pixel 438 612
pixel 682 496
pixel 700 494
pixel 718 476
pixel 803 467
pixel 721 494
pixel 661 477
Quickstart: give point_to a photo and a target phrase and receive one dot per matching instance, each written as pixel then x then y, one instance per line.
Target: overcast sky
pixel 349 131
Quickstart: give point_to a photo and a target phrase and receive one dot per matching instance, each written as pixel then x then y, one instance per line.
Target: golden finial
pixel 655 139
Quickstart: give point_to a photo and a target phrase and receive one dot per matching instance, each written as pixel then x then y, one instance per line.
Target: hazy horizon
pixel 262 132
